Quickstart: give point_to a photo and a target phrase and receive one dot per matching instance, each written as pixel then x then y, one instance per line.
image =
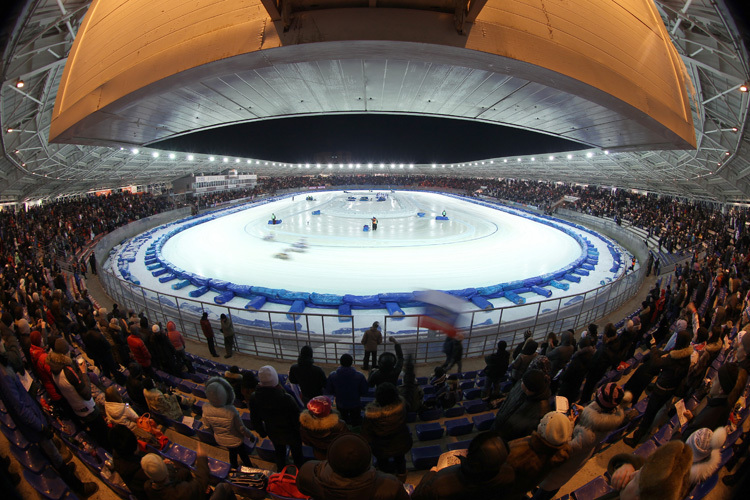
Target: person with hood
pixel 158 402
pixel 127 461
pixel 560 355
pixel 134 387
pixel 386 430
pixel 221 417
pixel 310 378
pixel 43 371
pixel 706 446
pixel 175 338
pixel 495 370
pixel 275 414
pixel 606 356
pixel 534 456
pixel 573 375
pixel 208 332
pixel 163 352
pixel 521 363
pixel 74 385
pixel 348 474
pixel 483 473
pixel 673 369
pixel 140 352
pixel 390 366
pixel 663 475
pixel 522 410
pixel 371 340
pixel 347 385
pixel 120 413
pixel 227 329
pixel 319 426
pixel 596 421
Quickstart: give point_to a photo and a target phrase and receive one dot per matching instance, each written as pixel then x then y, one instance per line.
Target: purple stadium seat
pixel 593 489
pixel 180 454
pixel 48 484
pixel 456 411
pixel 425 457
pixel 459 445
pixel 427 432
pixel 483 421
pixel 458 427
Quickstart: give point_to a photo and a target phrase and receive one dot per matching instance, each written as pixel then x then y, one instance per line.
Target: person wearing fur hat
pixel 522 410
pixel 310 378
pixel 673 369
pixel 319 425
pixel 275 414
pixel 706 446
pixel 348 474
pixel 385 429
pixel 74 385
pixel 573 375
pixel 533 457
pixel 482 474
pixel 221 417
pixel 663 475
pixel 600 417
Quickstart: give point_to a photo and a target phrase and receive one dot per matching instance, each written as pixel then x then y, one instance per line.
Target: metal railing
pixel 280 335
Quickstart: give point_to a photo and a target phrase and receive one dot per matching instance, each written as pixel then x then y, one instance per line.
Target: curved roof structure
pixel 104 82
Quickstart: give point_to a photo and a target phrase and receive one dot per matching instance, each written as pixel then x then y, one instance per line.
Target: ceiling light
pixel 211 158
pixel 734 129
pixel 727 153
pixel 19 84
pixel 533 159
pixel 171 156
pixel 606 151
pixel 134 151
pixel 505 160
pixel 551 158
pixel 190 157
pixel 570 157
pixel 433 165
pixel 518 159
pixel 236 160
pixel 225 159
pixel 589 154
pixel 155 154
pixel 743 87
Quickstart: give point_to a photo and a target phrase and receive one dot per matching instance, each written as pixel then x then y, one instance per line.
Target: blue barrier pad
pixel 490 291
pixel 541 291
pixel 269 293
pixel 198 281
pixel 513 285
pixel 615 268
pixel 256 303
pixel 326 299
pixel 153 267
pixel 166 278
pixel 198 291
pixel 244 291
pixel 481 302
pixel 465 293
pixel 394 309
pixel 516 299
pixel 345 310
pixel 580 272
pixel 364 198
pixel 362 301
pixel 419 214
pixel 365 228
pixel 159 272
pixel 574 279
pixel 561 286
pixel 224 297
pixel 181 284
pixel 272 223
pixel 400 297
pixel 532 281
pixel 440 217
pixel 218 285
pixel 297 307
pixel 587 267
pixel 316 212
pixel 293 296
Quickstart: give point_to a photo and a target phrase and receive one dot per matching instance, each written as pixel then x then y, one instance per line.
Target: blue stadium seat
pixel 593 489
pixel 459 445
pixel 183 429
pixel 425 457
pixel 456 411
pixel 48 484
pixel 466 384
pixel 427 432
pixel 646 449
pixel 180 454
pixel 704 488
pixel 473 393
pixel 31 458
pixel 458 427
pixel 205 437
pixel 483 421
pixel 476 406
pixel 429 415
pixel 266 451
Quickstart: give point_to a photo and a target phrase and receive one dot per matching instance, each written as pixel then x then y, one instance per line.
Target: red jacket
pixel 38 359
pixel 140 352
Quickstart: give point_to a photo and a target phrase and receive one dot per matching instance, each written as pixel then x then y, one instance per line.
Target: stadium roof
pixel 702 31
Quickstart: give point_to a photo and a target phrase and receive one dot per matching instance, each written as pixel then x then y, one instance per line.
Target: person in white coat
pixel 221 417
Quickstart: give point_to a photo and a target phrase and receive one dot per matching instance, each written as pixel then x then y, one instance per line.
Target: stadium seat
pixel 429 415
pixel 704 488
pixel 474 406
pixel 31 458
pixel 205 437
pixel 459 445
pixel 180 454
pixel 219 470
pixel 183 429
pixel 483 421
pixel 427 432
pixel 48 484
pixel 593 489
pixel 456 411
pixel 473 393
pixel 646 449
pixel 425 457
pixel 458 427
pixel 266 451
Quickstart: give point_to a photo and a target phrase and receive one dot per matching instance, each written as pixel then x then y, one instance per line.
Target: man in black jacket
pixel 495 371
pixel 521 412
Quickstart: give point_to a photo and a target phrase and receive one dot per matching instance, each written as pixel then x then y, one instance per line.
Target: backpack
pixel 284 483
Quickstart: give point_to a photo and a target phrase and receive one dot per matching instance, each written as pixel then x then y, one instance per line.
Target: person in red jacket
pixel 140 352
pixel 42 369
pixel 208 331
pixel 175 337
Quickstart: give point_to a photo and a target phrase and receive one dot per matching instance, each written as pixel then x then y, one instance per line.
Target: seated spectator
pixel 533 457
pixel 386 430
pixel 706 446
pixel 319 425
pixel 120 413
pixel 234 377
pixel 127 460
pixel 495 370
pixel 347 474
pixel 664 475
pixel 482 475
pixel 521 412
pixel 134 388
pixel 168 404
pixel 389 366
pixel 347 385
pixel 175 337
pixel 221 417
pixel 310 378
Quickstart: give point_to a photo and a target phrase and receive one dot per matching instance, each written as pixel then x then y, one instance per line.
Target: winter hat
pixel 61 346
pixel 349 455
pixel 155 328
pixel 609 395
pixel 680 325
pixel 102 311
pixel 319 406
pixel 683 340
pixel 114 324
pixel 555 428
pixel 154 467
pixel 728 375
pixel 219 392
pixel 36 338
pixel 534 381
pixel 703 441
pixel 502 345
pixel 666 473
pixel 486 457
pixel 268 377
pixel 529 347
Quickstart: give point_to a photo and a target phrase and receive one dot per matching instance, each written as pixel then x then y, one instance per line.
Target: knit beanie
pixel 728 374
pixel 36 338
pixel 268 377
pixel 609 395
pixel 555 428
pixel 61 346
pixel 319 406
pixel 349 455
pixel 154 467
pixel 534 381
pixel 704 440
pixel 666 473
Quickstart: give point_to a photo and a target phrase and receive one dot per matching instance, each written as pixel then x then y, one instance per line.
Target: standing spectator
pixel 227 329
pixel 175 337
pixel 310 378
pixel 220 416
pixel 560 355
pixel 521 412
pixel 371 340
pixel 319 426
pixel 163 352
pixel 522 361
pixel 140 352
pixel 455 352
pixel 386 430
pixel 134 387
pixel 605 356
pixel 100 350
pixel 43 371
pixel 92 263
pixel 234 377
pixel 347 385
pixel 275 414
pixel 127 460
pixel 411 392
pixel 495 370
pixel 208 332
pixel 389 367
pixel 347 474
pixel 482 475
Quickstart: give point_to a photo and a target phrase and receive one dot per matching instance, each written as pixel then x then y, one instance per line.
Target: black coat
pixel 310 378
pixel 497 365
pixel 572 378
pixel 520 414
pixel 318 480
pixel 451 483
pixel 275 414
pixel 386 430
